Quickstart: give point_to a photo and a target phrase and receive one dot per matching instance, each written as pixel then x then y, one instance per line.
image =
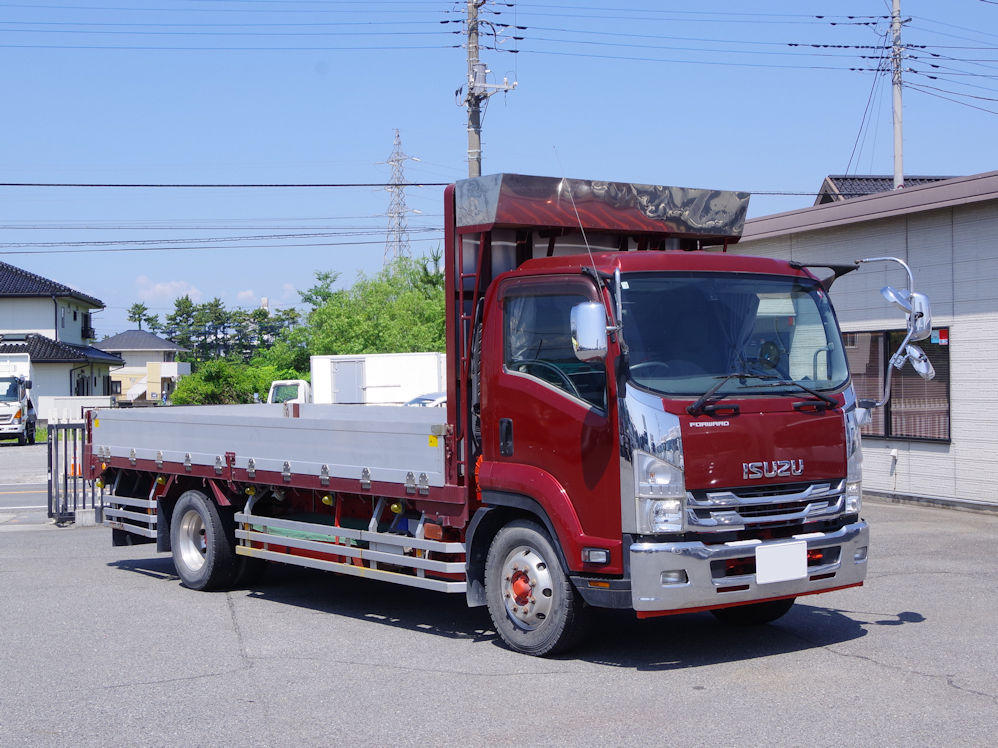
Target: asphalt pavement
pixel 27 464
pixel 102 646
pixel 23 485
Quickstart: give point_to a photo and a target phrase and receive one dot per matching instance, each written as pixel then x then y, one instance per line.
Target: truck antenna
pixel 566 184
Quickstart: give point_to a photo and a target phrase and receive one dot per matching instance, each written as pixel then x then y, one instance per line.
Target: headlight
pixel 660 489
pixel 854 464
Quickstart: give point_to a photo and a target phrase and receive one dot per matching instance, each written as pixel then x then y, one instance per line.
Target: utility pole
pixel 896 59
pixel 397 243
pixel 478 91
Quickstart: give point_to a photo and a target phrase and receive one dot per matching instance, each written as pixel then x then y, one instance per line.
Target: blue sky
pixel 716 94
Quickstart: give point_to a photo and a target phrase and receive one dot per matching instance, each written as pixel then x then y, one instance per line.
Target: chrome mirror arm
pixel 899 261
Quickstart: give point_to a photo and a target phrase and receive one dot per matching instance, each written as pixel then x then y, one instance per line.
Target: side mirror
pixel 916 306
pixel 920 319
pixel 589 339
pixel 897 298
pixel 920 362
pixel 27 384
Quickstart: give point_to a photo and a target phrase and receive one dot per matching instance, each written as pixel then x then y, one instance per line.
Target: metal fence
pixel 68 490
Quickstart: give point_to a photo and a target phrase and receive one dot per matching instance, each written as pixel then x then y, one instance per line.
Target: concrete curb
pixel 960 505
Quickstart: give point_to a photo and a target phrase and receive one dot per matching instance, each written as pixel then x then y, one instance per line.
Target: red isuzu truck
pixel 632 422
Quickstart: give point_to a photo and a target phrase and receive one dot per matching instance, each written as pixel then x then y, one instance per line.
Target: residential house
pixel 52 323
pixel 151 369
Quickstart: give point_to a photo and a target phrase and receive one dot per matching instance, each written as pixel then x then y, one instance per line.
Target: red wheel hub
pixel 520 587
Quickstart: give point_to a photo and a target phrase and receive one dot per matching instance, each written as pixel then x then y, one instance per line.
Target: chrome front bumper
pixel 656 566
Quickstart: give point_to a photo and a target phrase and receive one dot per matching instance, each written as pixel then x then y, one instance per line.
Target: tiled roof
pixel 847 186
pixel 138 340
pixel 17 282
pixel 44 350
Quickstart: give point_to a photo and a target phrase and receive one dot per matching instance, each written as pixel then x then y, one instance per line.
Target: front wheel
pixel 531 600
pixel 202 551
pixel 754 614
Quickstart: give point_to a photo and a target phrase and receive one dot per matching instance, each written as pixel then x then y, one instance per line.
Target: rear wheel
pixel 754 614
pixel 203 553
pixel 531 600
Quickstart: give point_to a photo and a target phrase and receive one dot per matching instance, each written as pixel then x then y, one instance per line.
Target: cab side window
pixel 538 343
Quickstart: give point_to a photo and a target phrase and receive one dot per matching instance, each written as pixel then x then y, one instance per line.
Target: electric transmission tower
pixel 397 243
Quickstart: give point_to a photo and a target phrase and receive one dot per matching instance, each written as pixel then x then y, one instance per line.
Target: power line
pixel 201 248
pixel 181 185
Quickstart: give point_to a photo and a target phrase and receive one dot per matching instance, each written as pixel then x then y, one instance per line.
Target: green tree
pixel 179 325
pixel 214 383
pixel 138 313
pixel 401 309
pixel 222 382
pixel 322 291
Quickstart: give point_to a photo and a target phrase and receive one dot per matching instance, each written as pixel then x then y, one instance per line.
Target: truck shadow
pixel 615 638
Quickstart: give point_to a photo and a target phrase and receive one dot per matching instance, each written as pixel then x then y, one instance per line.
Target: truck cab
pixel 289 391
pixel 716 422
pixel 17 411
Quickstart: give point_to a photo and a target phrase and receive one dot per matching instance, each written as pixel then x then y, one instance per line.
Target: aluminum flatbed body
pixel 363 444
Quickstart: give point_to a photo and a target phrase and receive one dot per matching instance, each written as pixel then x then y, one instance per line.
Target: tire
pixel 531 600
pixel 30 435
pixel 246 570
pixel 754 614
pixel 203 551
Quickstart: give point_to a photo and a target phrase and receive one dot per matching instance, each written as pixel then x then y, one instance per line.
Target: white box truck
pixel 366 379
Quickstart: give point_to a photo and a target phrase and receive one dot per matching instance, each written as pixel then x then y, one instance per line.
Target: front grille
pixel 766 510
pixel 6 418
pixel 721 510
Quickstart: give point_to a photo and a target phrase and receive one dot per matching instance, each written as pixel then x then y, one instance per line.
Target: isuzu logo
pixel 772 469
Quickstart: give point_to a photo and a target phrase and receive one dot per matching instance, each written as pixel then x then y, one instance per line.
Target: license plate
pixel 781 562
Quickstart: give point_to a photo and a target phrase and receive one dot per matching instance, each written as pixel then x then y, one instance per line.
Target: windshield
pixel 284 392
pixel 8 390
pixel 685 331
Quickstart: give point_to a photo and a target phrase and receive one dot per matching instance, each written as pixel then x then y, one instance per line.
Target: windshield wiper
pixel 697 408
pixel 831 402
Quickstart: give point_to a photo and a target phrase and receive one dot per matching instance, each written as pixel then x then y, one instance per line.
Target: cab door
pixel 546 410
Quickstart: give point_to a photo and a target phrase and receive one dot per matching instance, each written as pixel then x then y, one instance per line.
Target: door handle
pixel 506 437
